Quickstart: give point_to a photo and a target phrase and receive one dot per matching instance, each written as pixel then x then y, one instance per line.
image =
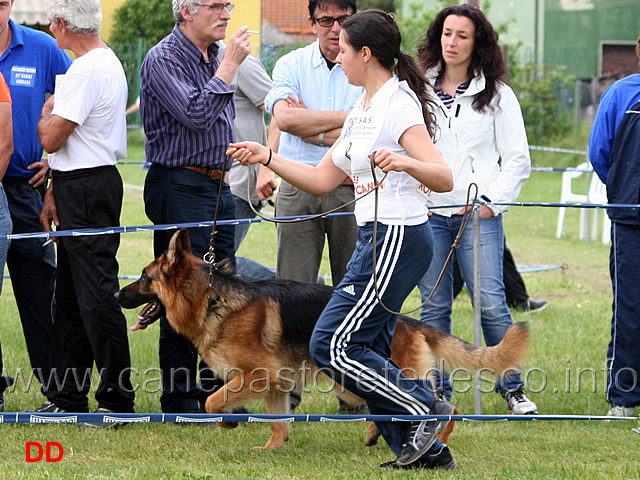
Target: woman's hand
pixel 389 161
pixel 248 153
pixel 484 211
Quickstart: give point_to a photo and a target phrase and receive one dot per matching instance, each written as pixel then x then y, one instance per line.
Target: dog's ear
pixel 179 246
pixel 226 266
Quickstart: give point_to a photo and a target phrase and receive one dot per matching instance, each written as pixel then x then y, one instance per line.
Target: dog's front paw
pixel 228 424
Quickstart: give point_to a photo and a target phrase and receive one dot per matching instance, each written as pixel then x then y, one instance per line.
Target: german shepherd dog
pixel 255 334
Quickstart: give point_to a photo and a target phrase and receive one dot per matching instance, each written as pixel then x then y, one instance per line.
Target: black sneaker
pixel 47 407
pixel 420 435
pixel 5 382
pixel 531 306
pixel 441 460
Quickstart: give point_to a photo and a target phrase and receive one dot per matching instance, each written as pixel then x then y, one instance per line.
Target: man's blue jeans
pixel 5 229
pixel 495 315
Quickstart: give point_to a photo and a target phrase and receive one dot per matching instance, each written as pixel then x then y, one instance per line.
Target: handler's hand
pixel 265 183
pixel 248 153
pixel 390 161
pixel 485 212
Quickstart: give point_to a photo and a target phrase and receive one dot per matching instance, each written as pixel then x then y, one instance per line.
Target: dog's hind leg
pixel 371 438
pixel 277 403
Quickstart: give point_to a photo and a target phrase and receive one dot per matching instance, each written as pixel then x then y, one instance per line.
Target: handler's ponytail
pixel 379 31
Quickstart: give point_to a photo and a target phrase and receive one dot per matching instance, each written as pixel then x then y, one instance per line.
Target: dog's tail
pixel 456 353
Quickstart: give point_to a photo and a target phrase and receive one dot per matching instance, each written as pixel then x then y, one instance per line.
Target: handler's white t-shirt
pixel 401 199
pixel 93 94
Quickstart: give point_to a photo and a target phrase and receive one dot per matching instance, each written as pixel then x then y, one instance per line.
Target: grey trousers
pixel 300 245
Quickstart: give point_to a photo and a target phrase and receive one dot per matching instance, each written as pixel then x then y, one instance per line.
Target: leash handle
pixel 454 246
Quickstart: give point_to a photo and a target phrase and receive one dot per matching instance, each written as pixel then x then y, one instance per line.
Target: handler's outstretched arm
pixel 316 180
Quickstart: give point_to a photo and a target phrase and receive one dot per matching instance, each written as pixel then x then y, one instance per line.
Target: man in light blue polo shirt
pixel 29 61
pixel 310 100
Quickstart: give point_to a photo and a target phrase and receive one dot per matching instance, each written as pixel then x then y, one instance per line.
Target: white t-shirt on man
pixel 93 94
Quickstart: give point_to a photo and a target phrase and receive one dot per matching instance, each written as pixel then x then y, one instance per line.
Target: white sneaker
pixel 519 404
pixel 620 411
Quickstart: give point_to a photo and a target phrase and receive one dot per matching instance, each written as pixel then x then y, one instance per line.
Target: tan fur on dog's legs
pixel 235 392
pixel 277 403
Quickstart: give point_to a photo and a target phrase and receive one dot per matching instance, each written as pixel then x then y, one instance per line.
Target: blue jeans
pixel 495 316
pixel 5 229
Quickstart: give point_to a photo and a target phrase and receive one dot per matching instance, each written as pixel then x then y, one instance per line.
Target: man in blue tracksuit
pixel 614 151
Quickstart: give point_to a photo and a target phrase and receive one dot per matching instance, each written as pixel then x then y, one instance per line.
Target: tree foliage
pixel 148 21
pixel 386 5
pixel 545 98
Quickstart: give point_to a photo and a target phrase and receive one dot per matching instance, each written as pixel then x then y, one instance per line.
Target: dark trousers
pixel 352 340
pixel 88 323
pixel 514 287
pixel 623 381
pixel 178 195
pixel 32 266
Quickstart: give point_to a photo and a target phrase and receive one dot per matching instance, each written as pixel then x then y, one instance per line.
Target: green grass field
pixel 564 371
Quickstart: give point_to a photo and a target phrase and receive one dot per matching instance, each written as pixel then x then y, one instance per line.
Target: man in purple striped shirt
pixel 186 106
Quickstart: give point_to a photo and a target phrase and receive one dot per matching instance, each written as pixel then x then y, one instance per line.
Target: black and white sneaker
pixel 47 407
pixel 519 404
pixel 420 435
pixel 441 460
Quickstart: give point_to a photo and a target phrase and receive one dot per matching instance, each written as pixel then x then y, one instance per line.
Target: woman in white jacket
pixel 481 136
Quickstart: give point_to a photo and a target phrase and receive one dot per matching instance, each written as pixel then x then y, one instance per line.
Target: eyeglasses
pixel 217 7
pixel 329 21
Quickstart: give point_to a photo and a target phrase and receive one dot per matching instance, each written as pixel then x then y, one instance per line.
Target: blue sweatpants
pixel 623 383
pixel 352 340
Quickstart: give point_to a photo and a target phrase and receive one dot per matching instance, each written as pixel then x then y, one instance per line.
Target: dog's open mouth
pixel 149 314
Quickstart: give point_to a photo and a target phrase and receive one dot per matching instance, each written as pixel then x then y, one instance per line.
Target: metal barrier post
pixel 477 303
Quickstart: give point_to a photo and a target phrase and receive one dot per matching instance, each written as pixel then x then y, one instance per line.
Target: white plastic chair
pixel 598 195
pixel 568 196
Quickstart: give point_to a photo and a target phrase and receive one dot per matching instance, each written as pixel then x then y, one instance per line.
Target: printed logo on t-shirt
pixel 22 76
pixel 423 190
pixel 360 187
pixel 349 129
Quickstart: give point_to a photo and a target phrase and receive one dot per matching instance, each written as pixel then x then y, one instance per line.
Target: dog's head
pixel 154 282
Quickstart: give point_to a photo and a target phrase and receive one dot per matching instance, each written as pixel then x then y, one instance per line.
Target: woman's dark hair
pixel 486 57
pixel 378 30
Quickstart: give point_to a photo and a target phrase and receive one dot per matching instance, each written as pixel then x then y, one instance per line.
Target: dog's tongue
pixel 141 315
pixel 138 326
